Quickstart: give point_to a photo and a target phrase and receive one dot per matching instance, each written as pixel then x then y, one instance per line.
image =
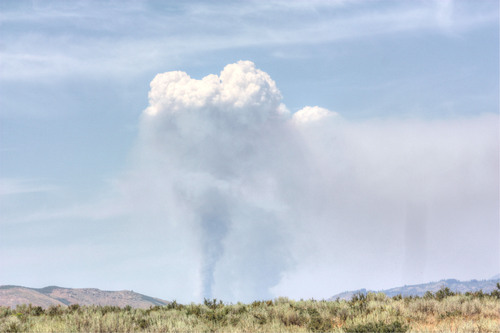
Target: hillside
pixel 45 297
pixel 420 289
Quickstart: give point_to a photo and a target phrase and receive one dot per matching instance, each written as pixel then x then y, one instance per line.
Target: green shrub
pixel 174 306
pixel 379 327
pixel 443 293
pixel 36 310
pixel 317 323
pixel 496 293
pixel 13 327
pixel 54 310
pixel 359 302
pixel 142 323
pixel 428 295
pixel 212 304
pixel 260 318
pixel 194 310
pixel 29 309
pixel 217 316
pixel 5 311
pixel 73 308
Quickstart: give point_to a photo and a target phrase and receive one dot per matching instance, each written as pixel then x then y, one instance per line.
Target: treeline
pixel 443 311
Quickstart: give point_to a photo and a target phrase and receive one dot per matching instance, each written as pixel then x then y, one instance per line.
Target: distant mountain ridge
pixel 12 296
pixel 53 295
pixel 420 289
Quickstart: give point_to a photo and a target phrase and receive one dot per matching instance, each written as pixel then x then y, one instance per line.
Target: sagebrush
pixel 444 311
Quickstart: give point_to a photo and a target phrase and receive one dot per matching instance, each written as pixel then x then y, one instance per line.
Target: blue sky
pixel 87 198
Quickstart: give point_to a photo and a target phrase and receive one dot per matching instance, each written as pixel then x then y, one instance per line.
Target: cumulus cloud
pixel 310 114
pixel 253 202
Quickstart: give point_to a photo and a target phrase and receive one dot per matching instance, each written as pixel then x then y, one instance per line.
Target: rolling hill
pixel 45 297
pixel 420 289
pixel 52 295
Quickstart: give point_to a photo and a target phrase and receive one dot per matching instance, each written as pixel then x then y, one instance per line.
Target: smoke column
pixel 216 139
pixel 255 202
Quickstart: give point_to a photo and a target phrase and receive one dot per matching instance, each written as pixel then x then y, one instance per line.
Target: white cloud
pixel 312 114
pixel 12 186
pixel 240 86
pixel 262 199
pixel 77 38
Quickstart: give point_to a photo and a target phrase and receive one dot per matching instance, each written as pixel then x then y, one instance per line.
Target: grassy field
pixel 443 311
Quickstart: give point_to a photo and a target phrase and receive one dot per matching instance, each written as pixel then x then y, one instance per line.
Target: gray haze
pixel 255 201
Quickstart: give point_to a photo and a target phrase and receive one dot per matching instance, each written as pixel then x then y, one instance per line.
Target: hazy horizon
pixel 248 150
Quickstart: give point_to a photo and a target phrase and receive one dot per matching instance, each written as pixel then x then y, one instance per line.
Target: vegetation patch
pixel 379 327
pixel 439 312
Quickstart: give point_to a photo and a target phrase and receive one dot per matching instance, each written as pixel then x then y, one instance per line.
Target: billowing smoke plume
pixel 219 144
pixel 253 202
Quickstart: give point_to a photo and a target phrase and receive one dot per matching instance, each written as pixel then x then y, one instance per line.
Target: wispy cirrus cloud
pixel 13 186
pixel 59 39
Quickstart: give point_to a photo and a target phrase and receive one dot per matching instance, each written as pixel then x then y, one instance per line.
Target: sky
pixel 246 150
